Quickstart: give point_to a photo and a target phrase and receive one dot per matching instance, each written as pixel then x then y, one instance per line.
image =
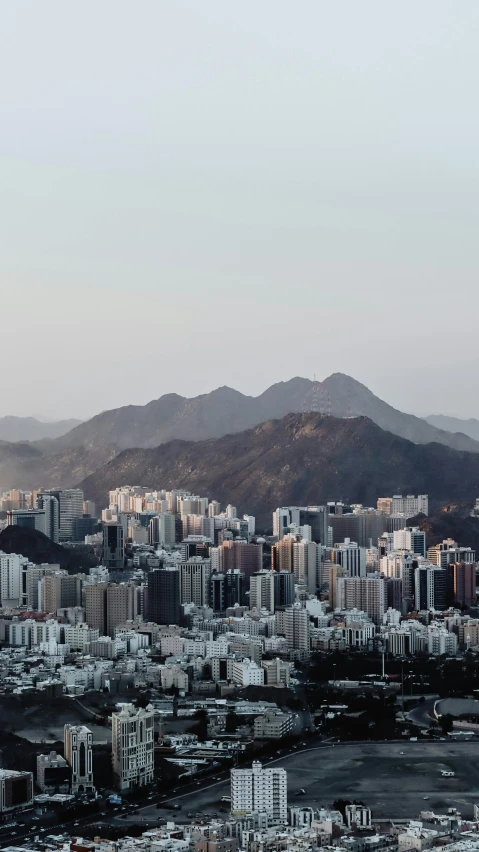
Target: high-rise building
pixel 113 546
pixel 368 594
pixel 448 551
pixel 59 590
pixel 34 574
pixel 13 579
pixel 227 590
pixel 162 530
pixel 51 507
pixel 462 584
pixel 133 747
pixel 305 563
pixel 351 557
pixel 164 596
pixel 107 605
pixel 410 505
pixel 240 555
pixel 410 538
pixel 195 581
pixel 284 595
pixel 260 790
pixel 33 519
pixel 430 587
pixel 261 594
pixel 70 502
pixel 293 624
pixel 282 554
pixel 315 517
pixel 78 753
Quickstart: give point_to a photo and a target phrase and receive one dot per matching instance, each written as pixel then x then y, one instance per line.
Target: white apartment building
pixel 260 790
pixel 247 673
pixel 261 594
pixel 440 641
pixel 351 557
pixel 78 753
pixel 293 623
pixel 132 746
pixel 12 566
pixel 277 672
pixel 409 505
pixel 80 635
pixel 410 538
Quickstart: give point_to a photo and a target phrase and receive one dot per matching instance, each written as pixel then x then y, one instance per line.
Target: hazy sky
pixel 203 192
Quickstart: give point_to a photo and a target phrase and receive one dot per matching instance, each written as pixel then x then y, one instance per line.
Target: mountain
pixel 454 424
pixel 300 459
pixel 224 411
pixel 39 548
pixel 30 429
pixel 24 465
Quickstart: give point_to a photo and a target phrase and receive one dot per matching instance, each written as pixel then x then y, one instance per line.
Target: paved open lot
pixel 392 778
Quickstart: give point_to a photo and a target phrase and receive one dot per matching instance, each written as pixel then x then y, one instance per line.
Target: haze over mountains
pixel 73 456
pixel 300 459
pixel 454 424
pixel 31 429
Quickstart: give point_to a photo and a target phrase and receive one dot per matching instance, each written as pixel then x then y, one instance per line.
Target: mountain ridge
pixel 16 429
pixel 299 459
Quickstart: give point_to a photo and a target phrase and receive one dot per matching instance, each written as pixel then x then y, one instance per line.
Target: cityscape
pixel 239 426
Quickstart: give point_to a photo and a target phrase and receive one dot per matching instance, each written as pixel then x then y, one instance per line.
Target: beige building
pixel 273 725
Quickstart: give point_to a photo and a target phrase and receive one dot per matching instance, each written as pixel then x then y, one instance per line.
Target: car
pixel 425 798
pixel 402 752
pixel 76 823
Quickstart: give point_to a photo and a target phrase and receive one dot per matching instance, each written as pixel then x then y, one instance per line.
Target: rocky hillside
pixel 300 459
pixel 24 465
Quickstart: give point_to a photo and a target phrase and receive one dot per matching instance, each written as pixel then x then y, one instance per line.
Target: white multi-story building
pixel 410 505
pixel 410 538
pixel 79 754
pixel 440 641
pixel 132 746
pixel 261 594
pixel 273 725
pixel 351 557
pixel 261 790
pixel 247 673
pixel 12 567
pixel 305 563
pixel 80 635
pixel 293 623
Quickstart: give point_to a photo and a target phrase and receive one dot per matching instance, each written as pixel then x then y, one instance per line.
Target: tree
pixel 445 722
pixel 232 722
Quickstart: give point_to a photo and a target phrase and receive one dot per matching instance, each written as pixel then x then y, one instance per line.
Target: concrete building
pixel 368 594
pixel 410 505
pixel 53 773
pixel 33 519
pixel 78 743
pixel 262 591
pixel 448 551
pixel 59 590
pixel 293 624
pixel 284 592
pixel 351 557
pixel 16 790
pixel 273 725
pixel 133 747
pixel 305 564
pixel 108 605
pixel 51 507
pixel 247 673
pixel 260 790
pixel 277 672
pixel 462 584
pixel 410 538
pixel 430 587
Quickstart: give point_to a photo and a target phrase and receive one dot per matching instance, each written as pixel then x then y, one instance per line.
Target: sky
pixel 195 194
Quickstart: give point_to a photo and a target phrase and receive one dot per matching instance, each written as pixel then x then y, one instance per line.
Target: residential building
pixel 108 605
pixel 462 584
pixel 448 551
pixel 261 594
pixel 305 564
pixel 368 594
pixel 260 790
pixel 410 538
pixel 59 590
pixel 133 747
pixel 277 672
pixel 227 590
pixel 293 624
pixel 284 594
pixel 430 587
pixel 351 557
pixel 410 505
pixel 247 673
pixel 78 751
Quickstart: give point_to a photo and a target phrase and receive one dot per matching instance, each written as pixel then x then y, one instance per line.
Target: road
pixel 391 778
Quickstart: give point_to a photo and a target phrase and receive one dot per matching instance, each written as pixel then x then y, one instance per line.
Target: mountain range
pixel 300 459
pixel 454 424
pixel 80 452
pixel 31 429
